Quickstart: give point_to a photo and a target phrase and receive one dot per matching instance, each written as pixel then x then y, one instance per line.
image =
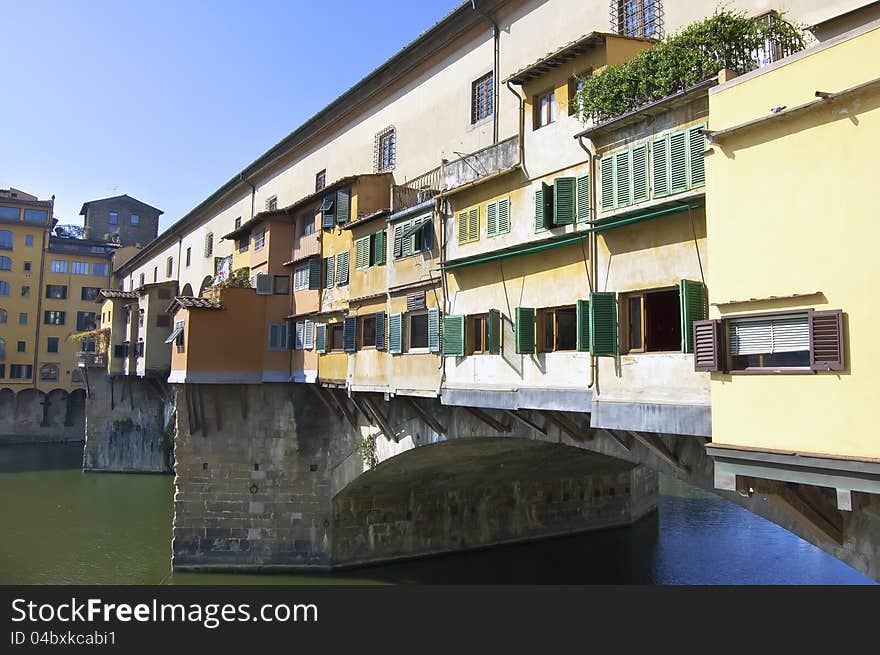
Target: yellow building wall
pixel 415 372
pixel 792 211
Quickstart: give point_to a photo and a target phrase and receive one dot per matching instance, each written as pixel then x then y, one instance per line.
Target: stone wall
pixel 31 416
pixel 128 425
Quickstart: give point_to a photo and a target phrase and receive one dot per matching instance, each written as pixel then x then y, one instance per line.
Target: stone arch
pixel 187 290
pixel 29 410
pixel 7 411
pixel 205 284
pixel 77 407
pixel 57 411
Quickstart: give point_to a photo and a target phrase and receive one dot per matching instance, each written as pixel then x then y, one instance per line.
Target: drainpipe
pixel 495 63
pixel 253 190
pixel 179 252
pixel 43 257
pixel 522 125
pixel 593 240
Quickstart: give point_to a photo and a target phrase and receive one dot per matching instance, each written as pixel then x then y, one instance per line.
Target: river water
pixel 61 526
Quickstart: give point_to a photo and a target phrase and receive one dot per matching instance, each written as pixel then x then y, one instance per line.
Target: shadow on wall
pixel 31 416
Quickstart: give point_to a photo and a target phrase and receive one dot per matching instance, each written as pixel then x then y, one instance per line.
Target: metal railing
pixel 416 191
pixel 84 359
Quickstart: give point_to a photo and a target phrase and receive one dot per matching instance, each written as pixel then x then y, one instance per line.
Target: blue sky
pixel 167 100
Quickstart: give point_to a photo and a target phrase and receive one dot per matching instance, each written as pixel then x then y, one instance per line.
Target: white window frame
pixel 407 336
pixel 301 277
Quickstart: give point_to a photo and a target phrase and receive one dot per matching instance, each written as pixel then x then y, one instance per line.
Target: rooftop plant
pixel 101 337
pixel 728 39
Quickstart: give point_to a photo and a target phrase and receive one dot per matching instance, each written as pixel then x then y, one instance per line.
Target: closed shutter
pixel 328 220
pixel 504 216
pixel 826 338
pixel 640 173
pixel 462 228
pixel 678 164
pixel 474 224
pixel 321 338
pixel 660 167
pixel 539 209
pixel 492 219
pixel 603 323
pixel 494 331
pixel 696 156
pixel 309 337
pixel 622 180
pixel 564 200
pixel 415 301
pixel 264 284
pixel 583 325
pixel 299 336
pixel 453 336
pixel 406 240
pixel 362 253
pixel 583 198
pixel 395 334
pixel 525 330
pixel 434 330
pixel 380 330
pixel 398 238
pixel 342 264
pixel 379 257
pixel 776 334
pixel 349 334
pixel 315 273
pixel 708 345
pixel 343 206
pixel 692 296
pixel 330 271
pixel 606 174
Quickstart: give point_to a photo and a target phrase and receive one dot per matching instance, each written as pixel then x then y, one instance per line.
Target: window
pixel 25 291
pixel 575 84
pixel 13 213
pixel 320 180
pixel 188 257
pixel 178 336
pixel 209 244
pixel 3 316
pixel 22 318
pixel 6 240
pixel 370 250
pixel 469 226
pixel 2 349
pixel 769 342
pixel 498 217
pixel 412 237
pixel 544 109
pixel 113 218
pixel 5 264
pixel 139 349
pixel 237 223
pixel 557 329
pixel 99 269
pixel 272 203
pixel 58 266
pixel 367 331
pixel 155 274
pixel 21 372
pixel 141 280
pixel 36 216
pixel 79 268
pixel 478 330
pixel 89 294
pixel 243 243
pixel 259 238
pixel 417 331
pixel 52 344
pixel 141 318
pixel 308 225
pixel 281 285
pixel 120 350
pixel 639 18
pixel 482 97
pixel 278 336
pixel 652 321
pixel 305 335
pixel 385 154
pixel 49 372
pixel 301 277
pixel 27 267
pixel 135 219
pixel 85 321
pixel 342 268
pixel 334 335
pixel 28 240
pixel 56 291
pixel 53 318
pixel 4 288
pixel 169 266
pixel 21 346
pixel 163 320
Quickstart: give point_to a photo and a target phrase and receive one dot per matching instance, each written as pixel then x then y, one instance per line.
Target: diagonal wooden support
pixel 242 396
pixel 488 420
pixel 523 418
pixel 363 409
pixel 658 448
pixel 618 439
pixel 218 407
pixel 565 426
pixel 380 419
pixel 425 415
pixel 340 402
pixel 319 392
pixel 805 505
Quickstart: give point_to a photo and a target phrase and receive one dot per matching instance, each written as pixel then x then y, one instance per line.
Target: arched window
pixel 49 372
pixel 2 316
pixel 2 349
pixel 5 264
pixel 5 240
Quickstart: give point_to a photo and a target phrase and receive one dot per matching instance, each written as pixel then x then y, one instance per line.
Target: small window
pixel 301 277
pixel 308 225
pixel 417 331
pixel 188 256
pixel 238 222
pixel 278 336
pixel 99 269
pixel 169 266
pixel 21 346
pixel 334 336
pixel 652 321
pixel 769 342
pixel 58 266
pixel 36 216
pixel 21 371
pixel 178 339
pixel 478 331
pixel 135 219
pixel 29 240
pixel 22 318
pixel 638 18
pixel 5 264
pixel 139 349
pixel 209 244
pixel 558 329
pixel 113 218
pixel 259 238
pixel 140 318
pixel 52 344
pixel 79 268
pixel 56 292
pixel 243 244
pixel 49 372
pixel 482 98
pixel 385 155
pixel 544 109
pixel 25 291
pixel 85 321
pixel 321 180
pixel 272 203
pixel 6 240
pixel 141 280
pixel 4 288
pixel 367 331
pixel 27 267
pixel 281 285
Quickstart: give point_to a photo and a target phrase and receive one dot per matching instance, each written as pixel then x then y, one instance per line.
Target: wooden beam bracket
pixel 556 419
pixel 380 419
pixel 659 449
pixel 426 416
pixel 520 416
pixel 488 419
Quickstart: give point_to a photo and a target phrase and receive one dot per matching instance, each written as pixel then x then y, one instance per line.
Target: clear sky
pixel 166 100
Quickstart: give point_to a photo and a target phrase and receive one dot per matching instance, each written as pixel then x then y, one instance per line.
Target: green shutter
pixel 315 273
pixel 474 224
pixel 362 253
pixel 434 330
pixel 583 325
pixel 349 334
pixel 639 158
pixel 547 198
pixel 678 164
pixel 380 247
pixel 492 219
pixel 583 198
pixel 453 336
pixel 343 206
pixel 564 200
pixel 660 167
pixel 539 209
pixel 321 338
pixel 603 323
pixel 330 271
pixel 607 177
pixel 504 216
pixel 395 334
pixel 494 330
pixel 398 239
pixel 692 296
pixel 342 267
pixel 622 180
pixel 525 330
pixel 696 149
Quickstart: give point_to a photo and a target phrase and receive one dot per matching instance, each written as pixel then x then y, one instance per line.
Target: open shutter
pixel 328 220
pixel 406 239
pixel 564 200
pixel 678 162
pixel 504 216
pixel 321 338
pixel 492 219
pixel 622 179
pixel 692 296
pixel 434 330
pixel 640 173
pixel 473 232
pixel 309 337
pixel 342 265
pixel 379 257
pixel 398 238
pixel 660 167
pixel 343 206
pixel 330 271
pixel 395 334
pixel 826 341
pixel 494 330
pixel 415 301
pixel 696 156
pixel 427 236
pixel 453 336
pixel 525 330
pixel 547 199
pixel 349 334
pixel 539 209
pixel 607 179
pixel 315 273
pixel 708 345
pixel 462 227
pixel 583 198
pixel 362 252
pixel 380 330
pixel 603 323
pixel 299 336
pixel 264 284
pixel 583 325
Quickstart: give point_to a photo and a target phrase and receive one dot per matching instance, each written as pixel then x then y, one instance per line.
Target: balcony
pixel 91 359
pixel 416 191
pixel 467 169
pixel 305 245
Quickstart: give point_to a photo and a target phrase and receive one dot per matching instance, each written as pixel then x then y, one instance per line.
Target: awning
pixel 415 227
pixel 173 335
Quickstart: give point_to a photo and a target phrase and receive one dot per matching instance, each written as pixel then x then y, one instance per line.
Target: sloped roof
pixel 82 212
pixel 116 294
pixel 191 302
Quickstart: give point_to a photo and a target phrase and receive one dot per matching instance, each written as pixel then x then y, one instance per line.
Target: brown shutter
pixel 708 346
pixel 415 301
pixel 826 341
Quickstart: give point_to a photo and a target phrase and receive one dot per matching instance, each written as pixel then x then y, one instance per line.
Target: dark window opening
pixel 559 326
pixel 418 330
pixel 367 331
pixel 480 334
pixel 653 321
pixel 335 336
